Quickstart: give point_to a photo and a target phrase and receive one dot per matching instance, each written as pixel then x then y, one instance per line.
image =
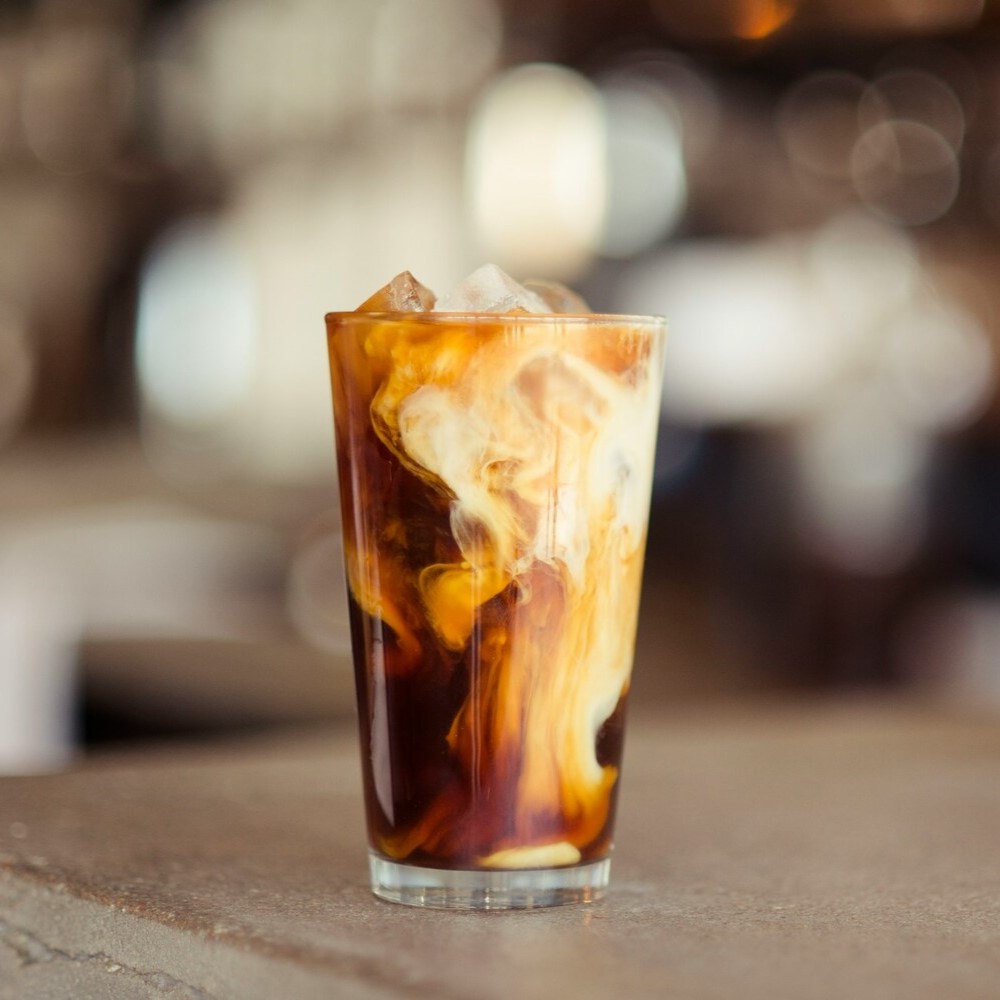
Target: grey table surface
pixel 801 850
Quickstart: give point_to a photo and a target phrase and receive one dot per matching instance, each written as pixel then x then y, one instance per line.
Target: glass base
pixel 488 889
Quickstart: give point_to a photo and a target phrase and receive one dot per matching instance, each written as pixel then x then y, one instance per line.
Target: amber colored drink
pixel 495 474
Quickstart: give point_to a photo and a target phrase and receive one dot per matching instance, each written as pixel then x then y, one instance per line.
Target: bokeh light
pixel 861 473
pixel 909 17
pixel 943 62
pixel 949 643
pixel 804 318
pixel 864 271
pixel 817 121
pixel 537 173
pixel 721 20
pixel 809 191
pixel 646 180
pixel 269 76
pixel 77 99
pixel 937 15
pixel 939 367
pixel 758 19
pixel 317 591
pixel 915 96
pixel 255 79
pixel 691 93
pixel 433 52
pixel 906 172
pixel 749 341
pixel 197 338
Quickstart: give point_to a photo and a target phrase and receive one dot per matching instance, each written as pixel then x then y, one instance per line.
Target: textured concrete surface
pixel 796 852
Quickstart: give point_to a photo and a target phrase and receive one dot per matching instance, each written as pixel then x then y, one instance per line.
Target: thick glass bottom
pixel 508 889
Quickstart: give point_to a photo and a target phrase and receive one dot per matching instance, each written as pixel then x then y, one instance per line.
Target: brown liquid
pixel 494 501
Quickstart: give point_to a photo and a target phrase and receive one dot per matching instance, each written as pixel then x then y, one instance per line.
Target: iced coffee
pixel 495 453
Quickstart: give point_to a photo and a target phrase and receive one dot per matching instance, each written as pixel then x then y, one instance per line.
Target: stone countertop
pixel 800 851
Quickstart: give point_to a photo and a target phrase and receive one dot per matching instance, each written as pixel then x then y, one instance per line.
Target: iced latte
pixel 495 459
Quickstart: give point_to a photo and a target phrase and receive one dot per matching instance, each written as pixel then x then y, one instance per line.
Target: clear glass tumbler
pixel 495 476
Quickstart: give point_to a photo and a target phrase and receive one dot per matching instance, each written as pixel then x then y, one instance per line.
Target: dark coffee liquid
pixel 435 803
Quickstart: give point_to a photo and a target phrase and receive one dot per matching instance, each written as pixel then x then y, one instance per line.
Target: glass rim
pixel 432 316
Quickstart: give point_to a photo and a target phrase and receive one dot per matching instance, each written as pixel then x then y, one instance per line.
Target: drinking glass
pixel 495 474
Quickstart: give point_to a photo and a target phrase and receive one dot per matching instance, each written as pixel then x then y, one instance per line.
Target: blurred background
pixel 809 190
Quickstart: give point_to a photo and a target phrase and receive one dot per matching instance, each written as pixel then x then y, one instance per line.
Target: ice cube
pixel 488 289
pixel 557 297
pixel 403 294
